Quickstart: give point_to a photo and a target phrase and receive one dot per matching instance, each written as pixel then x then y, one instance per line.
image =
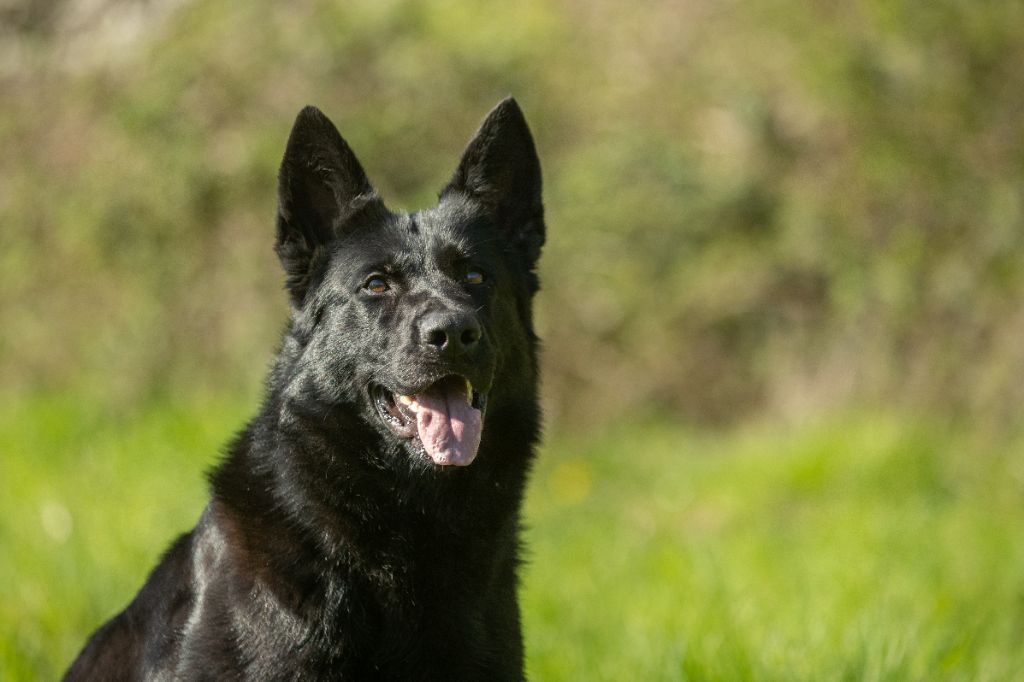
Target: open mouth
pixel 446 418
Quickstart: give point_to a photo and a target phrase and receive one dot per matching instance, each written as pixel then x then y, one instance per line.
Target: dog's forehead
pixel 447 227
pixel 415 241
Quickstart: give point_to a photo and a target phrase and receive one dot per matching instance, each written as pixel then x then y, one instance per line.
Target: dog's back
pixel 365 524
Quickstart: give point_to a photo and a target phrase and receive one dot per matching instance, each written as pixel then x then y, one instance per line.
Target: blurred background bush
pixel 765 211
pixel 777 206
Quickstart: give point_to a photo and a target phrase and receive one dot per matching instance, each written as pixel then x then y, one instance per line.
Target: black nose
pixel 452 334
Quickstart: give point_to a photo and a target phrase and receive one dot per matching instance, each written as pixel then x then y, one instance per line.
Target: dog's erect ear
pixel 500 169
pixel 321 188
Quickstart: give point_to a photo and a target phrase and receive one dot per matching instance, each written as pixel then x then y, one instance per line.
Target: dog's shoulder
pixel 124 647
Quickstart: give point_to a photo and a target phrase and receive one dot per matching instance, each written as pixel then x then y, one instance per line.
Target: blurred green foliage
pixel 776 206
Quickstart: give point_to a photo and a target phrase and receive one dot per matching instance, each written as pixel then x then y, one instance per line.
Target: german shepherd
pixel 364 525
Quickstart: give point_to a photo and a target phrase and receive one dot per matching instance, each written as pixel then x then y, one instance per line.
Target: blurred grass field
pixel 862 547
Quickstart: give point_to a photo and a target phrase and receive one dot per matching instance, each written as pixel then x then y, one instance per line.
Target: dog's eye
pixel 376 285
pixel 473 276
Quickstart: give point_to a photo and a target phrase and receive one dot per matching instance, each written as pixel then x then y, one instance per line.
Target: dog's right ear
pixel 321 189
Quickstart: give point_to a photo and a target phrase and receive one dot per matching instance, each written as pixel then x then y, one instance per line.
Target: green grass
pixel 857 548
pixel 90 499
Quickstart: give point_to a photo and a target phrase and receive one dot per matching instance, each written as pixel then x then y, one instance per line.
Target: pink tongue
pixel 449 426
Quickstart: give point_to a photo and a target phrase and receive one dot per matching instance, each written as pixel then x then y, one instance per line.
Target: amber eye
pixel 376 285
pixel 473 276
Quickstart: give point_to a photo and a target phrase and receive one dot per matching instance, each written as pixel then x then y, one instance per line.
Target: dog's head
pixel 421 321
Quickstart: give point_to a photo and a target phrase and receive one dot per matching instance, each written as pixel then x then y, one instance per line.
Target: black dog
pixel 364 525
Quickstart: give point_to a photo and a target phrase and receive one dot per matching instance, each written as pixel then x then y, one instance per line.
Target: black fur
pixel 333 547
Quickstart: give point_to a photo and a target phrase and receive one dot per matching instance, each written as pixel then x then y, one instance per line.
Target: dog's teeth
pixel 469 388
pixel 406 400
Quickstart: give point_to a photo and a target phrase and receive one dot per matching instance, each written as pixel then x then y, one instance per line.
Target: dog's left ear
pixel 500 169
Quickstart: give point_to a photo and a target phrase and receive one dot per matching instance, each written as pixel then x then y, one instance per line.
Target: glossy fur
pixel 331 548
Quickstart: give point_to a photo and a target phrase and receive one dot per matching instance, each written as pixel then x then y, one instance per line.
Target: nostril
pixel 437 337
pixel 470 336
pixel 449 334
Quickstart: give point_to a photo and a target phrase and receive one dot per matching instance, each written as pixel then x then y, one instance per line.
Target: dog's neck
pixel 327 461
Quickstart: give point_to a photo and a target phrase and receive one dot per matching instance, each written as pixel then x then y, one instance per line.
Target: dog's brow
pixel 449 253
pixel 399 262
pixel 409 260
